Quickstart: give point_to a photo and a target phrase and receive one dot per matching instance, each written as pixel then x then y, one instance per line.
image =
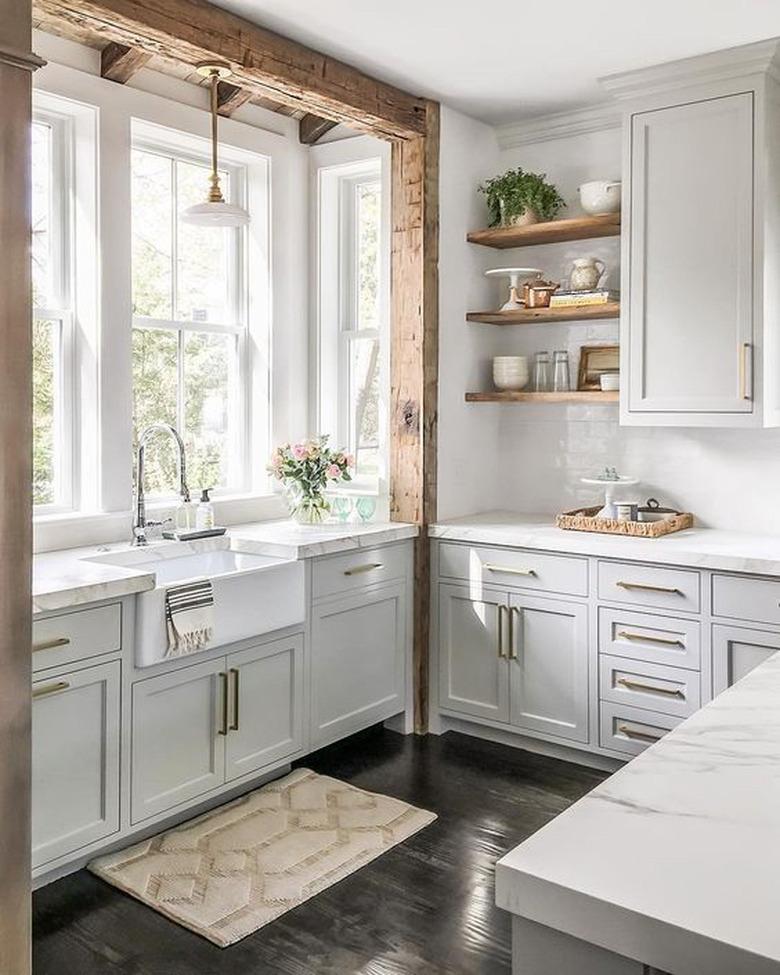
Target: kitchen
pixel 481 560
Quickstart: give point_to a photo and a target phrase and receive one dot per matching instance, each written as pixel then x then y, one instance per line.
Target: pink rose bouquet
pixel 306 469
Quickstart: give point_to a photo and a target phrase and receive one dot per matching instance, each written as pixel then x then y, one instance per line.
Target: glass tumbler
pixel 542 372
pixel 561 377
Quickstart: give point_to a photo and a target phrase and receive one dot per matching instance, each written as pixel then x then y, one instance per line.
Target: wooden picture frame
pixel 595 360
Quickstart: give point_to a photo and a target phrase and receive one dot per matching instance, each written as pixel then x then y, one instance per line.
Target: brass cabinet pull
pixel 234 723
pixel 635 685
pixel 362 568
pixel 224 728
pixel 512 635
pixel 666 641
pixel 57 641
pixel 500 615
pixel 55 688
pixel 505 568
pixel 746 371
pixel 640 735
pixel 648 588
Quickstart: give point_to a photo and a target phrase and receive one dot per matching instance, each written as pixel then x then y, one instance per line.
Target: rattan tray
pixel 582 520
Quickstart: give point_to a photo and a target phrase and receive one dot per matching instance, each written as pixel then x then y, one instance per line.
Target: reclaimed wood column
pixel 414 299
pixel 16 65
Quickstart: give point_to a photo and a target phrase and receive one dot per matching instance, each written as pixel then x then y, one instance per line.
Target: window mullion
pixel 174 240
pixel 180 396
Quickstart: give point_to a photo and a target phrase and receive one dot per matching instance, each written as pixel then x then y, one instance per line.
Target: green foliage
pixel 43 412
pixel 516 191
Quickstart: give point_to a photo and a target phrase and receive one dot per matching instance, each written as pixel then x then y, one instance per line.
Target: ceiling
pixel 505 60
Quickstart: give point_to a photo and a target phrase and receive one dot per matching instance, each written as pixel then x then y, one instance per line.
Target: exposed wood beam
pixel 230 97
pixel 312 128
pixel 414 290
pixel 272 66
pixel 119 63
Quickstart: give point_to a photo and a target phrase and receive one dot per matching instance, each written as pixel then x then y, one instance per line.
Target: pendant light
pixel 215 212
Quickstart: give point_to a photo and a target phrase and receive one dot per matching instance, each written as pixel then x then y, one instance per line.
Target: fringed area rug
pixel 234 869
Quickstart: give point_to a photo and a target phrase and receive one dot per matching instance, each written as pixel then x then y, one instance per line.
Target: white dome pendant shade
pixel 216 211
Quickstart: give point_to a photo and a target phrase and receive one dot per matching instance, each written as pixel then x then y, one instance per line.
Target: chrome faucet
pixel 140 524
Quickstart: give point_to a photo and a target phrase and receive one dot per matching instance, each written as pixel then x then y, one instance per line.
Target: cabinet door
pixel 473 675
pixel 178 751
pixel 358 662
pixel 736 651
pixel 690 313
pixel 75 760
pixel 265 706
pixel 548 667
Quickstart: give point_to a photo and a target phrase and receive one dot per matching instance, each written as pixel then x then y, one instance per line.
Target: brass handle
pixel 224 728
pixel 512 646
pixel 640 735
pixel 635 685
pixel 648 588
pixel 55 688
pixel 509 570
pixel 746 371
pixel 57 641
pixel 650 639
pixel 234 723
pixel 500 614
pixel 362 568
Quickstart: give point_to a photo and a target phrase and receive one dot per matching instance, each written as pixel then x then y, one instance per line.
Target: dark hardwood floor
pixel 424 908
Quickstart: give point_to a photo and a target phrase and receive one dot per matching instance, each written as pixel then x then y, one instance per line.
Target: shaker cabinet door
pixel 736 651
pixel 473 653
pixel 690 311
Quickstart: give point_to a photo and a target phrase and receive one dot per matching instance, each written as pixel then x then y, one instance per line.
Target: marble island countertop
pixel 675 860
pixel 706 548
pixel 71 577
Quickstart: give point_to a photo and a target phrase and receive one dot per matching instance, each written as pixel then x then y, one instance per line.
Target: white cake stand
pixel 609 484
pixel 517 277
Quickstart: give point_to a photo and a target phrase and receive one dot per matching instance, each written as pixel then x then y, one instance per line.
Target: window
pixel 353 316
pixel 189 321
pixel 52 325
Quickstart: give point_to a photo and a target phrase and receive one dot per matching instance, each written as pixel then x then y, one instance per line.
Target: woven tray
pixel 582 520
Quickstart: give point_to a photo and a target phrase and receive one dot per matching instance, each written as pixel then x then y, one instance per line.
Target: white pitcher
pixel 586 272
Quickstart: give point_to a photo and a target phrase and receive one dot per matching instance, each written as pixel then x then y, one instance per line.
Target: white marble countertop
pixel 706 548
pixel 64 579
pixel 675 860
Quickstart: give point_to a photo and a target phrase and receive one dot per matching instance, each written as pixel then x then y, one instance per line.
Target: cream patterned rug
pixel 229 872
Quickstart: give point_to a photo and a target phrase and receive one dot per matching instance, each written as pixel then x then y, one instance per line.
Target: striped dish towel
pixel 189 617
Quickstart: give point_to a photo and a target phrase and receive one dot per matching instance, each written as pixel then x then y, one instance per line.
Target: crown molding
pixel 25 60
pixel 732 63
pixel 560 125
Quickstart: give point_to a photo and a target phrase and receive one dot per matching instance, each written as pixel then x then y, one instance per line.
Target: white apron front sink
pixel 253 594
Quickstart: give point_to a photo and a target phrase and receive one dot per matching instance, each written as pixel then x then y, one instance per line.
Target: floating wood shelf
pixel 575 228
pixel 537 316
pixel 574 396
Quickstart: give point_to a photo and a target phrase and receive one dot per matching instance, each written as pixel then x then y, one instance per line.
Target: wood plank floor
pixel 424 908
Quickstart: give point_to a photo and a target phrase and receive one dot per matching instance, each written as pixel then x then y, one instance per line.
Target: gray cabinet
pixel 358 661
pixel 75 760
pixel 736 651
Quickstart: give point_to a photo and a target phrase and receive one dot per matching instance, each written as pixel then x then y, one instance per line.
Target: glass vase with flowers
pixel 306 469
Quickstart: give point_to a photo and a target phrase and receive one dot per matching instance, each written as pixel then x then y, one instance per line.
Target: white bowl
pixel 510 372
pixel 600 196
pixel 609 381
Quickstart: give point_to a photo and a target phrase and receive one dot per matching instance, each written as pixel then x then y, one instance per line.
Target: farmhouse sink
pixel 253 594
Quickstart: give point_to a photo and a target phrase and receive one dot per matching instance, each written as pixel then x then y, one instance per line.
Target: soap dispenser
pixel 204 517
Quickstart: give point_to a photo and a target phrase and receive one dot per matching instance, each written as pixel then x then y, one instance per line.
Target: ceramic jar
pixel 510 372
pixel 586 272
pixel 600 196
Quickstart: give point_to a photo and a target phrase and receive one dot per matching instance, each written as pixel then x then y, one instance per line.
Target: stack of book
pixel 574 299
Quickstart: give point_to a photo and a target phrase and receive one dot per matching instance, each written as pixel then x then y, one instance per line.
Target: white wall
pixel 529 458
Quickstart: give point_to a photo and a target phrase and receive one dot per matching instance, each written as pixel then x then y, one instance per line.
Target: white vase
pixel 586 273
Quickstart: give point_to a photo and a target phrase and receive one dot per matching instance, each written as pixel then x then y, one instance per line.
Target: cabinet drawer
pixel 648 585
pixel 364 567
pixel 656 639
pixel 631 730
pixel 746 599
pixel 515 567
pixel 74 636
pixel 669 690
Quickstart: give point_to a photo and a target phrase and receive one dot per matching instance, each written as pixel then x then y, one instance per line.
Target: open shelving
pixel 572 396
pixel 538 316
pixel 552 232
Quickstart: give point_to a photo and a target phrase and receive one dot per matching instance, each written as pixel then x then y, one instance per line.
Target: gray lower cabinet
pixel 75 760
pixel 198 727
pixel 518 660
pixel 358 661
pixel 736 651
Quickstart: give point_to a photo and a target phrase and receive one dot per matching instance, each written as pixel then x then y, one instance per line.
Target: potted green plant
pixel 518 198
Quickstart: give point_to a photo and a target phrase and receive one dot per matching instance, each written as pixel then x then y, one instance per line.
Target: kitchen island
pixel 672 864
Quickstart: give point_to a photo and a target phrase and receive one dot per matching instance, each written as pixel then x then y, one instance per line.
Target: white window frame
pixel 336 293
